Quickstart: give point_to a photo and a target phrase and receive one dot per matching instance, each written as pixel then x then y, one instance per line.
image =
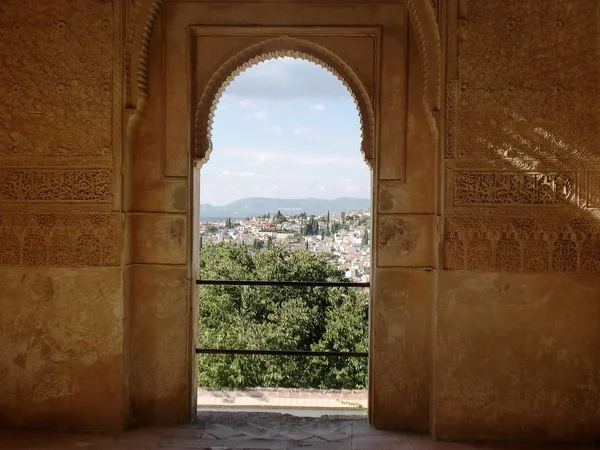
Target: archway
pixel 169 153
pixel 284 46
pixel 305 135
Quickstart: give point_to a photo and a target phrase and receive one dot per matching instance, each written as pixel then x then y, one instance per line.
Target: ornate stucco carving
pixel 522 152
pixel 63 185
pixel 276 48
pixel 519 244
pixel 424 19
pixel 59 239
pixel 59 132
pixel 57 77
pixel 513 188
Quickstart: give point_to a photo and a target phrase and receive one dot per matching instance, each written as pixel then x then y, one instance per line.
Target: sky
pixel 285 128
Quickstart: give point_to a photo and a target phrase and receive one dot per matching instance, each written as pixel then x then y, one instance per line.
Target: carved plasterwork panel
pixel 520 244
pixel 56 185
pixel 60 132
pixel 59 239
pixel 510 188
pixel 522 133
pixel 57 63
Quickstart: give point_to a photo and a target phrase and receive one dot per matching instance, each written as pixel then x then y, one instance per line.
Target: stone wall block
pixel 515 360
pixel 161 353
pixel 159 238
pixel 61 334
pixel 405 240
pixel 401 306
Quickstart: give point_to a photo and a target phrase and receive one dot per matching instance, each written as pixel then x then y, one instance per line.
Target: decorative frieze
pixel 60 239
pixel 517 244
pixel 24 185
pixel 479 188
pixel 593 190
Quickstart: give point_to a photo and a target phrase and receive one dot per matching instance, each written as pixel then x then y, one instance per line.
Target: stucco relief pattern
pixel 56 185
pixel 523 244
pixel 513 188
pixel 59 239
pixel 57 126
pixel 57 72
pixel 533 120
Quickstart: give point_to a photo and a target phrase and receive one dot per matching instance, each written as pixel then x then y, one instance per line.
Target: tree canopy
pixel 290 318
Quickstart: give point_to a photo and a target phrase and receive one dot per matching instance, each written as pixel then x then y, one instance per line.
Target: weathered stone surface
pixel 401 316
pixel 405 240
pixel 161 347
pixel 159 238
pixel 514 354
pixel 62 340
pixel 516 357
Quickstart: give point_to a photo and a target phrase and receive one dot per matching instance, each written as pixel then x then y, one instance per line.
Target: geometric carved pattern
pixel 513 188
pixel 56 129
pixel 94 185
pixel 524 131
pixel 56 74
pixel 517 244
pixel 59 239
pixel 593 190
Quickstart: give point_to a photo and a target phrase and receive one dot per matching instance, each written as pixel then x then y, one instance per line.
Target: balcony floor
pixel 214 430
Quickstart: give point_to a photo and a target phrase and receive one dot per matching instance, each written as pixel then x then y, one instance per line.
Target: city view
pixel 284 198
pixel 344 236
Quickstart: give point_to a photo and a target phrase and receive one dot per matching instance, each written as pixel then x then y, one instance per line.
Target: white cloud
pixel 301 130
pixel 347 144
pixel 317 107
pixel 291 158
pixel 276 128
pixel 248 104
pixel 351 189
pixel 261 114
pixel 239 174
pixel 284 79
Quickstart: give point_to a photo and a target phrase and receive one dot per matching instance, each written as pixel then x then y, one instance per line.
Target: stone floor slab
pixel 253 431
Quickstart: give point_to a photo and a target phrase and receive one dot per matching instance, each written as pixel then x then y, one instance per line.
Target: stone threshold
pixel 283 398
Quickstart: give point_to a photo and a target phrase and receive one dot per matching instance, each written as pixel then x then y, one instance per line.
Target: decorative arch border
pixel 279 47
pixel 143 15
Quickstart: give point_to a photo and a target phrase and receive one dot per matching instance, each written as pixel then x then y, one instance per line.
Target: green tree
pixel 210 228
pixel 365 237
pixel 311 227
pixel 292 318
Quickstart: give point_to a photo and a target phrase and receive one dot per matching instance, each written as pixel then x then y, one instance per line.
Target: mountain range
pixel 257 206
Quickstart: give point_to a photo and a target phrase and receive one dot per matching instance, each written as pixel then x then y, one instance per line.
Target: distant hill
pixel 257 206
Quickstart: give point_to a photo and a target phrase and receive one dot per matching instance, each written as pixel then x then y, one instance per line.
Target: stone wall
pixel 61 301
pixel 96 317
pixel 518 302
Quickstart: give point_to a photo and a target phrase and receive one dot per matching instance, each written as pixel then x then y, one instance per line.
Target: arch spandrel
pixel 144 13
pixel 272 48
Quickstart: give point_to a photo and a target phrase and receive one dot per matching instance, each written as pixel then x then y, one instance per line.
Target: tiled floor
pixel 243 431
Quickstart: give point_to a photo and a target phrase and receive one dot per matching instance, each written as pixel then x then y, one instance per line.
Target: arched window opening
pixel 285 233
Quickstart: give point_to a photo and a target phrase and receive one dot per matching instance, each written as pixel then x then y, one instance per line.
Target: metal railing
pixel 238 351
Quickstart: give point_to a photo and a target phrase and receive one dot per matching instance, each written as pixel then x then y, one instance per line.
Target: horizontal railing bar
pixel 236 351
pixel 283 283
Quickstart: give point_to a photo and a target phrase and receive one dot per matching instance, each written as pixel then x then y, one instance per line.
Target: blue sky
pixel 285 128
